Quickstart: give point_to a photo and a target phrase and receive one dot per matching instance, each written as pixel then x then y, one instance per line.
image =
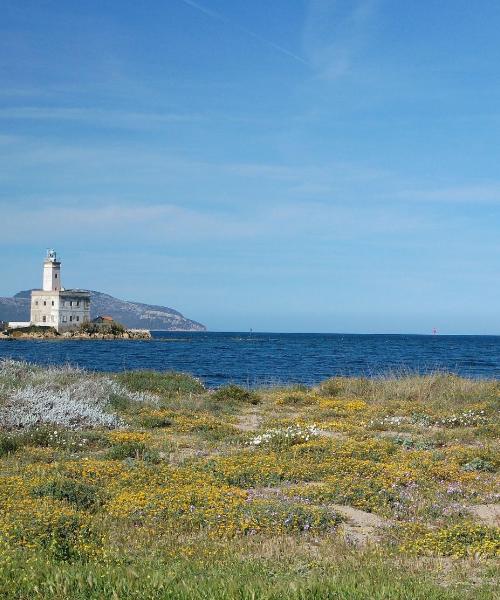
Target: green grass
pixel 364 577
pixel 231 579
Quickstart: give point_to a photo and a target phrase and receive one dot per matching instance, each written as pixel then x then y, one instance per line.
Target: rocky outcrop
pixel 48 333
pixel 134 315
pixel 128 334
pixel 32 333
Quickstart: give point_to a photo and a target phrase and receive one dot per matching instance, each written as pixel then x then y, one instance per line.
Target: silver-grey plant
pixel 65 396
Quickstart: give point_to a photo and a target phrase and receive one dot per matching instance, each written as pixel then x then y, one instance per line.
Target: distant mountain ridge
pixel 131 314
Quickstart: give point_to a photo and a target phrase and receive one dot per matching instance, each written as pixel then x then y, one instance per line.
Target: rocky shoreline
pixel 128 334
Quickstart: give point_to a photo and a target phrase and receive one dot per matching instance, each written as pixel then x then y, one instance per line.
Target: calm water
pixel 254 359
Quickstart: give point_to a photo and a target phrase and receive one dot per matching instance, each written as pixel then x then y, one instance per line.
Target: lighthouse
pixel 51 273
pixel 53 306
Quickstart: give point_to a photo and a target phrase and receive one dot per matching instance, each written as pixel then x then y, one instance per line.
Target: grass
pixel 356 488
pixel 235 578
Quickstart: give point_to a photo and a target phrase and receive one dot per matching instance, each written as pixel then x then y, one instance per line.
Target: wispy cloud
pixel 459 194
pixel 223 19
pixel 95 115
pixel 335 30
pixel 99 219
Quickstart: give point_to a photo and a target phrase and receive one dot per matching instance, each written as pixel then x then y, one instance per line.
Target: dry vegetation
pixel 147 485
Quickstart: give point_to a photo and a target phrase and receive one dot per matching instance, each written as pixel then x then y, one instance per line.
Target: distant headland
pixel 21 308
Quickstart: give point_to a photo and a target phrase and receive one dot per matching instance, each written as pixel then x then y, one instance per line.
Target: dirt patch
pixel 361 527
pixel 487 513
pixel 249 422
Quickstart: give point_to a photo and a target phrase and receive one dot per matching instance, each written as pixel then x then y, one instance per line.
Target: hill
pixel 130 314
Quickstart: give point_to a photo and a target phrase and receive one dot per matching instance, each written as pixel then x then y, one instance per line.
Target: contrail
pixel 218 17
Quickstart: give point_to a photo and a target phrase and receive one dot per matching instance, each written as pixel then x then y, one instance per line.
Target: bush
pixel 32 329
pixel 152 420
pixel 82 495
pixel 479 464
pixel 167 384
pixel 112 328
pixel 234 394
pixel 292 435
pixel 127 450
pixel 8 444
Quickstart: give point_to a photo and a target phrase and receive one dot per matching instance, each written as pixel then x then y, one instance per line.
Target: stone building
pixel 53 306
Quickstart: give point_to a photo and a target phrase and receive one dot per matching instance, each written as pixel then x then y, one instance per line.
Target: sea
pixel 257 359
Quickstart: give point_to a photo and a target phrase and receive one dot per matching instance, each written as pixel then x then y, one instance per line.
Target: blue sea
pixel 271 358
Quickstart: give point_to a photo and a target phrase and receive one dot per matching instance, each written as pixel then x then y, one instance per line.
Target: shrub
pixel 295 398
pixel 234 394
pixel 8 444
pixel 125 450
pixel 32 329
pixel 285 437
pixel 112 328
pixel 82 495
pixel 62 397
pixel 155 419
pixel 167 384
pixel 479 464
pixel 410 444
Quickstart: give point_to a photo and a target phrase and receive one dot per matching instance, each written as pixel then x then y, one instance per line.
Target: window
pixel 44 303
pixel 71 302
pixel 36 302
pixel 44 319
pixel 78 303
pixel 56 275
pixel 71 318
pixel 64 319
pixel 52 302
pixel 77 318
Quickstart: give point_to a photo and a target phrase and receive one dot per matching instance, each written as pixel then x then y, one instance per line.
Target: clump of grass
pixel 434 391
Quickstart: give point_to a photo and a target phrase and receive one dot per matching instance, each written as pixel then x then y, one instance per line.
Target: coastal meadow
pixel 147 485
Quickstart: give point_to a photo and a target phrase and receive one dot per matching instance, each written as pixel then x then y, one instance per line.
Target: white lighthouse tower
pixel 51 273
pixel 53 306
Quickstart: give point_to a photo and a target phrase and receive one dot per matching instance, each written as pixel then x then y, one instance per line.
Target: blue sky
pixel 286 166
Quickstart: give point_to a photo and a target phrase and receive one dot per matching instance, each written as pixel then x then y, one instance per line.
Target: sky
pixel 303 166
